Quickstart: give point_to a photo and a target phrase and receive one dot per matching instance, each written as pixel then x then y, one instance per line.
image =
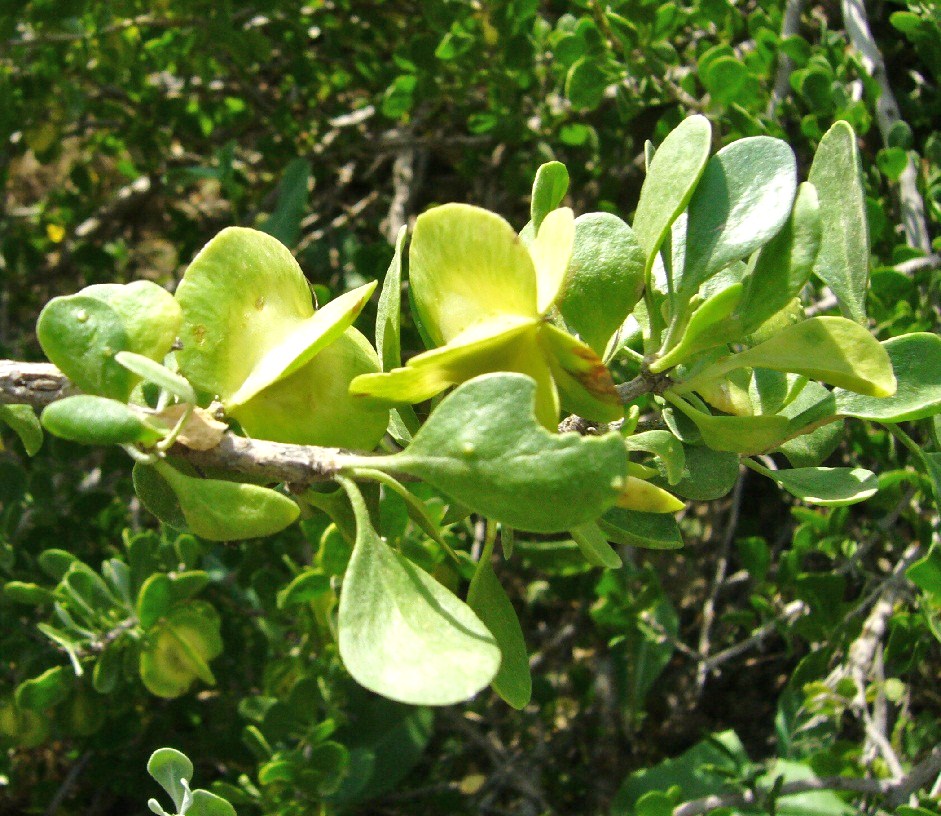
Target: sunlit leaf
pixel 832 349
pixel 97 421
pixel 672 176
pixel 843 261
pixel 401 633
pixel 81 335
pixel 604 280
pixel 829 487
pixel 549 188
pixel 741 202
pixel 506 466
pixel 916 361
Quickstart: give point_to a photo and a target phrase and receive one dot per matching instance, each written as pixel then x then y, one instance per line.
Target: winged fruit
pixel 482 297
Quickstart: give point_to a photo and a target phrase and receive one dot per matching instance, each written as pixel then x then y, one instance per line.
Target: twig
pixel 39 384
pixel 867 787
pixel 887 114
pixel 782 79
pixel 36 384
pixel 722 564
pixel 403 176
pixel 67 784
pixel 790 613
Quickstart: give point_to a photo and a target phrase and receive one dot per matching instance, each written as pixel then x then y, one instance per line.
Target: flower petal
pixel 551 250
pixel 468 265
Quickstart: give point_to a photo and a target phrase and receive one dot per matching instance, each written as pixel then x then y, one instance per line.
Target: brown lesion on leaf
pixel 199 334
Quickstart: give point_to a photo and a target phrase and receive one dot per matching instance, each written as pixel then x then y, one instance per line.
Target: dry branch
pixel 887 114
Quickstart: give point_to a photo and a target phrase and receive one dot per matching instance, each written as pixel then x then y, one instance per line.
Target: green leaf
pixel 926 573
pixel 828 487
pixel 604 279
pixel 250 336
pixel 169 767
pixel 81 335
pixel 892 162
pixel 298 347
pixel 154 599
pixel 916 361
pixel 291 207
pixel 209 804
pixel 160 375
pixel 672 176
pixel 309 584
pixel 666 446
pixel 724 78
pixel 48 690
pixel 97 421
pixel 832 349
pixel 843 261
pixel 812 408
pixel 242 294
pixel 22 419
pixel 26 593
pixel 655 531
pixel 741 202
pixel 707 474
pixel 702 770
pixel 313 406
pixel 401 633
pixel 388 314
pixel 177 650
pixel 708 327
pixel 506 466
pixel 149 314
pixel 109 668
pixel 594 546
pixel 739 434
pixel 489 600
pixel 228 511
pixel 157 496
pixel 585 83
pixel 549 188
pixel 784 264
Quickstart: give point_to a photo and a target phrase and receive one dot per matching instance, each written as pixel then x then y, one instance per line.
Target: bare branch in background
pixel 782 80
pixel 887 114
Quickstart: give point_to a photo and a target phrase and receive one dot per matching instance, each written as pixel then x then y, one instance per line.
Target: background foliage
pixel 132 132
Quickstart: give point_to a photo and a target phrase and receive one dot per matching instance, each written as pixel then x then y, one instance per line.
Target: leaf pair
pixel 83 333
pixel 173 771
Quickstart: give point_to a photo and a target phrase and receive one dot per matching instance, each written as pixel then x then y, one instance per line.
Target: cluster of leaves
pixel 98 616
